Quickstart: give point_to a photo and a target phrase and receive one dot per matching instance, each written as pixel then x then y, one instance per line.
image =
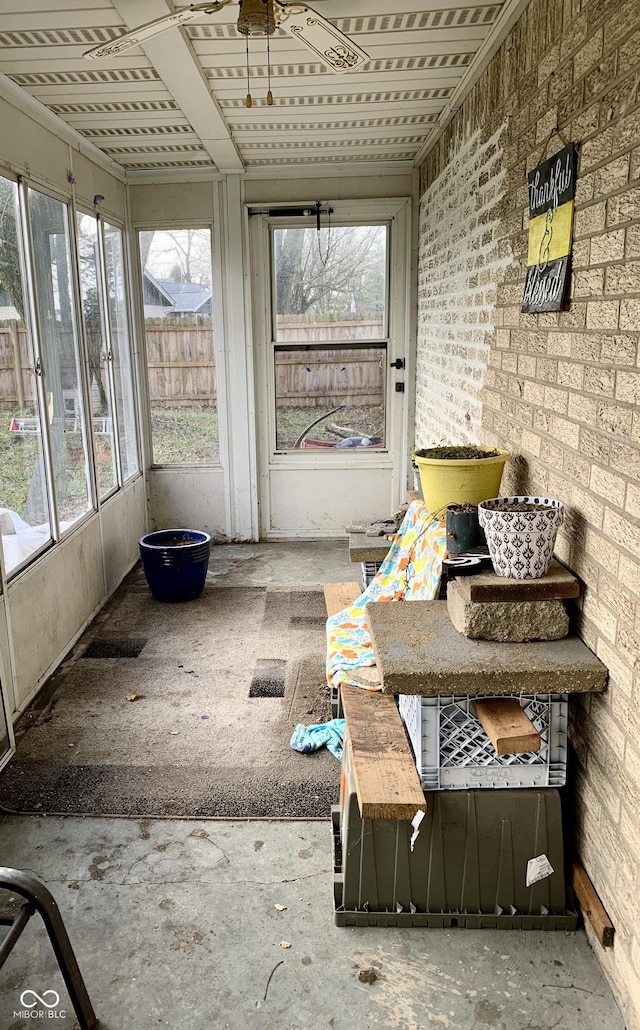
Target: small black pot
pixel 464 531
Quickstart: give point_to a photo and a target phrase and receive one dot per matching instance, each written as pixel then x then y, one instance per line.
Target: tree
pixel 183 255
pixel 91 304
pixel 10 277
pixel 336 273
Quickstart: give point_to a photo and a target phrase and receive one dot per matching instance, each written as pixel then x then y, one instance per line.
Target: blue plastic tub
pixel 175 563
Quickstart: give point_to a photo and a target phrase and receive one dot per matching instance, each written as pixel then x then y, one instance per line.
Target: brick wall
pixel 560 390
pixel 462 254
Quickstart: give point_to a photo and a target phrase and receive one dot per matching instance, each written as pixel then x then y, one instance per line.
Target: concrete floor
pixel 200 925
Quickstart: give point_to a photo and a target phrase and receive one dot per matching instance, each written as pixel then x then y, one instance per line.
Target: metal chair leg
pixel 30 887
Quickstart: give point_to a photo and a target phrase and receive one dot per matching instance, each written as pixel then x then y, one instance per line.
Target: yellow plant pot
pixel 460 481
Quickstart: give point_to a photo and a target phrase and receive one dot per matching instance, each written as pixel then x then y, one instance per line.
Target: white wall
pixel 187 498
pixel 53 600
pixel 461 256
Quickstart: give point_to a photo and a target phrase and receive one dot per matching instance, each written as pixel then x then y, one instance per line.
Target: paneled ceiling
pixel 178 101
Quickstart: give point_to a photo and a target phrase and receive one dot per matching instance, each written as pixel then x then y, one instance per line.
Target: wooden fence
pixel 17 387
pixel 182 371
pixel 181 367
pixel 322 379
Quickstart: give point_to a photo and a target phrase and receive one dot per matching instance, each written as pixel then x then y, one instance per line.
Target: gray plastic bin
pixel 468 867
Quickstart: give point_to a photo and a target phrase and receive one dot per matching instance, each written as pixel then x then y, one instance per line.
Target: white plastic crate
pixel 453 751
pixel 369 569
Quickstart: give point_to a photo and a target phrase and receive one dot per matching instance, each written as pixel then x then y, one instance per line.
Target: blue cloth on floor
pixel 310 738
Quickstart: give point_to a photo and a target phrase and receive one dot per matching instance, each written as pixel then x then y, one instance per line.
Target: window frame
pixel 327 456
pixel 32 323
pixel 172 225
pixel 106 332
pixel 127 280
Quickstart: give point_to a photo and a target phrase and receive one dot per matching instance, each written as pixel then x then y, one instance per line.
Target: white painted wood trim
pixel 329 170
pixel 239 411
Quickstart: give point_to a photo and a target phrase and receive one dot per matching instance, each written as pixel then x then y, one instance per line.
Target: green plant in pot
pixel 459 474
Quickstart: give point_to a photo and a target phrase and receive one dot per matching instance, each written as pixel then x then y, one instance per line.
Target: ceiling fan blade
pixel 334 49
pixel 152 28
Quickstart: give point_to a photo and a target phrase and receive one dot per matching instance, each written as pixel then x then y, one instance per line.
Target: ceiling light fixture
pixel 256 18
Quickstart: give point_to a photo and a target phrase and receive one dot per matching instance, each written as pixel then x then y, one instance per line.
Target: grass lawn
pixel 185 436
pixel 18 461
pixel 190 437
pixel 362 421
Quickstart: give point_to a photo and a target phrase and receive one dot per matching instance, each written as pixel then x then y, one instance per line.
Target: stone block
pixel 513 621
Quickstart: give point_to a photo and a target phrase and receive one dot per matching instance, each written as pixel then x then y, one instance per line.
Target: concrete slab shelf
pixel 419 651
pixel 367 548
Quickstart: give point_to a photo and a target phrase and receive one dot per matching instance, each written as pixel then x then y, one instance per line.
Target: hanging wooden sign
pixel 552 190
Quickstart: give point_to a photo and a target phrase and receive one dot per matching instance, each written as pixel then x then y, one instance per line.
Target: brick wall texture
pixel 559 390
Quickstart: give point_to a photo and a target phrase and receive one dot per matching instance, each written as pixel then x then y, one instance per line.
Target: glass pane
pixel 310 383
pixel 59 352
pixel 123 373
pixel 99 385
pixel 176 287
pixel 330 285
pixel 24 512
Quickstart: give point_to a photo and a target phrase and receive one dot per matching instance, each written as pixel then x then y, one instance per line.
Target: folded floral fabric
pixel 410 572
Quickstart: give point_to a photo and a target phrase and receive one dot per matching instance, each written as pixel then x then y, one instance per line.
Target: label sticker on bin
pixel 415 822
pixel 537 869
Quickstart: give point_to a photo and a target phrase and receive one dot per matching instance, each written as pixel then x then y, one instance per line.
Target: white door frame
pixel 397 213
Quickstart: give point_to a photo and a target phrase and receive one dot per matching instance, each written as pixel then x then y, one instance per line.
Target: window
pixel 98 352
pixel 329 300
pixel 59 357
pixel 178 312
pixel 55 395
pixel 24 515
pixel 121 347
pixel 341 390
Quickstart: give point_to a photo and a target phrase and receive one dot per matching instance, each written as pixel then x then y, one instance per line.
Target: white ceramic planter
pixel 520 542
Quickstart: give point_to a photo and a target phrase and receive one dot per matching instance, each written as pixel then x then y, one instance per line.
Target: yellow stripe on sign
pixel 550 235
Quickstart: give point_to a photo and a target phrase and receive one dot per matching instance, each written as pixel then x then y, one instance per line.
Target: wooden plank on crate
pixel 591 906
pixel 507 726
pixel 340 595
pixel 384 770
